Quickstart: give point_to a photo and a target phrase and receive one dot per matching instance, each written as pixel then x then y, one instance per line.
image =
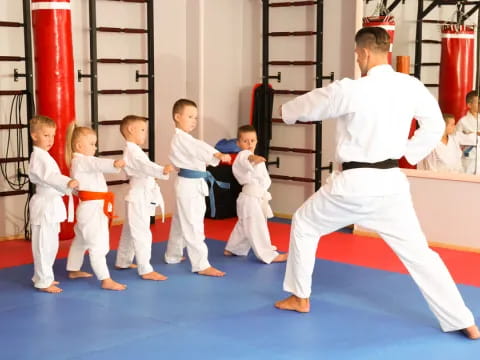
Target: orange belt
pixel 108 201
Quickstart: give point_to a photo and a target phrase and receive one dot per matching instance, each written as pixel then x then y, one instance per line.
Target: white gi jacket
pixel 142 173
pixel 376 137
pixel 469 124
pixel 255 181
pixel 46 205
pixel 186 152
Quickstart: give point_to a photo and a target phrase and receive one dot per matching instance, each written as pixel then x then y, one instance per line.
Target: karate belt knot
pixel 108 201
pixel 208 177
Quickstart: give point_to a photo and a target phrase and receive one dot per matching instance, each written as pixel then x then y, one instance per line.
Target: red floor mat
pixel 339 247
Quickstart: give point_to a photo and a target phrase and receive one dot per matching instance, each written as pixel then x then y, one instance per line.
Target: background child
pixel 187 228
pixel 93 212
pixel 143 197
pixel 251 230
pixel 47 209
pixel 469 124
pixel 447 155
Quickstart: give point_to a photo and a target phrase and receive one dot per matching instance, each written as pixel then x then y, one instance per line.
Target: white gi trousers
pixel 393 218
pixel 136 238
pixel 187 230
pixel 44 249
pixel 92 234
pixel 251 230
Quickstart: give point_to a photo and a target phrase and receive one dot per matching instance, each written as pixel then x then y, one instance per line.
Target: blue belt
pixel 467 150
pixel 207 175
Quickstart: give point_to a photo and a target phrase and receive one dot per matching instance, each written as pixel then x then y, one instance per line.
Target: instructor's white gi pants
pixel 393 218
pixel 92 234
pixel 187 230
pixel 136 238
pixel 44 249
pixel 251 230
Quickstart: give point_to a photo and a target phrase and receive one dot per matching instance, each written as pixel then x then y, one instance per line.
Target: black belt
pixel 385 164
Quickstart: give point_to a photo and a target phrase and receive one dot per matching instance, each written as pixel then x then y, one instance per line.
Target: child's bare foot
pixel 52 289
pixel 472 332
pixel 109 284
pixel 55 282
pixel 211 271
pixel 131 266
pixel 228 253
pixel 78 274
pixel 294 303
pixel 280 258
pixel 154 276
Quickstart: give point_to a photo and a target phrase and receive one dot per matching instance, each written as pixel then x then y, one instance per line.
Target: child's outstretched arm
pixel 95 164
pixel 40 173
pixel 144 165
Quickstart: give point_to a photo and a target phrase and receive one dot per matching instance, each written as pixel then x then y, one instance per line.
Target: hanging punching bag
pixel 385 22
pixel 456 68
pixel 54 76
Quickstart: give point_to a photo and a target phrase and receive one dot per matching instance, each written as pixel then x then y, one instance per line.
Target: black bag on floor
pixel 225 199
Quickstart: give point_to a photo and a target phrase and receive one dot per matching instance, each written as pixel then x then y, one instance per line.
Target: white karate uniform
pixel 47 211
pixel 142 198
pixel 469 124
pixel 448 157
pixel 91 229
pixel 187 229
pixel 373 117
pixel 253 209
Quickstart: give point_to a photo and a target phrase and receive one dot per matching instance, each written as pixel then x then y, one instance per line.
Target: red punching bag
pixel 456 68
pixel 54 76
pixel 385 22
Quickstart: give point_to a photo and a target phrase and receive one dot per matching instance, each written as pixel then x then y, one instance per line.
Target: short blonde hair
pixel 128 120
pixel 39 121
pixel 180 104
pixel 78 133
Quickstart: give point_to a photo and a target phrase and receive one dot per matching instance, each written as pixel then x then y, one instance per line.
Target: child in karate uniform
pixel 251 230
pixel 95 209
pixel 47 209
pixel 447 155
pixel 191 156
pixel 470 124
pixel 143 197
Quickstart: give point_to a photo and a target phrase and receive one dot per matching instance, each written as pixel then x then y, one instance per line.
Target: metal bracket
pixel 17 75
pixel 80 75
pixel 329 167
pixel 138 75
pixel 278 76
pixel 330 77
pixel 276 162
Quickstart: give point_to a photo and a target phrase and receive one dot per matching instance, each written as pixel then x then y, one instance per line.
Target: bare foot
pixel 78 274
pixel 109 284
pixel 228 253
pixel 294 303
pixel 154 276
pixel 131 266
pixel 211 271
pixel 52 289
pixel 280 258
pixel 472 332
pixel 55 282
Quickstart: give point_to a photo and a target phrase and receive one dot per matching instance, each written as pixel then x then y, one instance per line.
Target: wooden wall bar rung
pixel 11 92
pixel 114 152
pixel 132 1
pixel 292 178
pixel 302 63
pixel 280 121
pixel 122 61
pixel 12 160
pixel 120 30
pixel 13 192
pixel 109 122
pixel 431 41
pixel 291 92
pixel 430 64
pixel 292 33
pixel 12 126
pixel 12 58
pixel 127 91
pixel 292 3
pixel 117 182
pixel 10 24
pixel 295 150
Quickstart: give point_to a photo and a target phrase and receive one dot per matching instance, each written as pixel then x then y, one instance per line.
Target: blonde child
pixel 94 210
pixel 191 156
pixel 143 197
pixel 251 230
pixel 47 209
